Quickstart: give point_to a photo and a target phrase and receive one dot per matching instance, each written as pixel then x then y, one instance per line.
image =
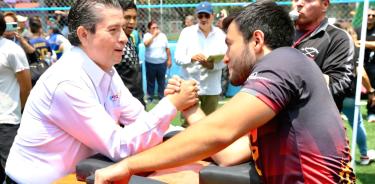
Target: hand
pixel 207 64
pixel 371 99
pixel 169 63
pixel 187 96
pixel 155 33
pixel 198 57
pixel 118 173
pixel 173 85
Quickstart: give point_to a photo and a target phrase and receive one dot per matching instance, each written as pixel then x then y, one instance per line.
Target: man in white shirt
pixel 194 45
pixel 76 108
pixel 15 85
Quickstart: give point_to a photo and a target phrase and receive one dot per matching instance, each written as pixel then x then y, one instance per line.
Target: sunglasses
pixel 371 15
pixel 201 15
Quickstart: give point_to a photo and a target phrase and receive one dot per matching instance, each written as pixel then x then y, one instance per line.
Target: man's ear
pixel 258 37
pixel 82 34
pixel 325 6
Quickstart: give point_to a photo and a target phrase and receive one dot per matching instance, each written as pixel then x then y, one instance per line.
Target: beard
pixel 242 68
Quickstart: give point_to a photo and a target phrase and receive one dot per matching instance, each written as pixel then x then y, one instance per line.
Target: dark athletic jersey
pixel 306 141
pixel 332 50
pixel 42 47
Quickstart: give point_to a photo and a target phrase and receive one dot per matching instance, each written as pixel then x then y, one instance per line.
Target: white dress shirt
pixel 73 112
pixel 192 41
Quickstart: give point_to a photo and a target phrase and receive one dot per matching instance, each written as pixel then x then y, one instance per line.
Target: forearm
pixel 193 114
pixel 168 54
pixel 26 46
pixel 236 153
pixel 148 42
pixel 205 144
pixel 24 81
pixel 366 81
pixel 370 45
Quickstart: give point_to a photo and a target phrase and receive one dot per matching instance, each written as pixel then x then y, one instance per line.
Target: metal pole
pixel 359 80
pixel 161 16
pixel 149 11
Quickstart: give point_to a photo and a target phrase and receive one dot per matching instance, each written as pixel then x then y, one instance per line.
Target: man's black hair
pixel 127 4
pixel 271 19
pixel 3 25
pixel 84 13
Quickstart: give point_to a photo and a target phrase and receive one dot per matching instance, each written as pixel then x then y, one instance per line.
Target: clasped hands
pixel 182 93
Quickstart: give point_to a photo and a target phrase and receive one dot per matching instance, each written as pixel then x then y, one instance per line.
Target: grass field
pixel 365 174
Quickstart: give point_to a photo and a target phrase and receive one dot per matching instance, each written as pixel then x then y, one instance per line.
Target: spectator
pixel 22 29
pixel 15 85
pixel 280 105
pixel 158 59
pixel 129 68
pixel 221 16
pixel 193 47
pixel 331 48
pixel 43 51
pixel 76 108
pixel 369 60
pixel 349 103
pixel 11 17
pixel 58 43
pixel 62 19
pixel 189 20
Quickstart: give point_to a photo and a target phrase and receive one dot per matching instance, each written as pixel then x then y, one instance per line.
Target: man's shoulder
pixel 190 29
pixel 11 47
pixel 335 32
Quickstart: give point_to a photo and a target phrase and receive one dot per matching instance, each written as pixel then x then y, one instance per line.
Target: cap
pixel 21 18
pixel 204 7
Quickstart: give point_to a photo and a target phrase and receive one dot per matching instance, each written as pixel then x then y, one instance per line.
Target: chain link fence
pixel 169 14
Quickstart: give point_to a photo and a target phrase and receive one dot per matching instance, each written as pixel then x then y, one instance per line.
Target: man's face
pixel 130 16
pixel 105 46
pixel 188 22
pixel 205 20
pixel 370 18
pixel 310 11
pixel 240 56
pixel 154 28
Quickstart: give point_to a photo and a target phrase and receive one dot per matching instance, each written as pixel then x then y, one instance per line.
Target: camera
pixel 11 26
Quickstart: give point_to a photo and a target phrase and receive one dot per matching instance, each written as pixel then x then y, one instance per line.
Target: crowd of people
pixel 286 117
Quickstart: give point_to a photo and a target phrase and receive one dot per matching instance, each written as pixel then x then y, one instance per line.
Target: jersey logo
pixel 310 52
pixel 115 97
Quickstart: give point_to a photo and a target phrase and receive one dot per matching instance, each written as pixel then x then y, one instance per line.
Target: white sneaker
pixel 371 118
pixel 366 160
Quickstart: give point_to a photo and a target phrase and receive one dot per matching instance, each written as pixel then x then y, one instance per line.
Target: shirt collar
pixel 95 73
pixel 322 27
pixel 213 30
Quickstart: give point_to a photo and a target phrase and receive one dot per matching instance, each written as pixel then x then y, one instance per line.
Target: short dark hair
pixel 3 25
pixel 83 13
pixel 150 24
pixel 229 19
pixel 35 24
pixel 271 19
pixel 127 4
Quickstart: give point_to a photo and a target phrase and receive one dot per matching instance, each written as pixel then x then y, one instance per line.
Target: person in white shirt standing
pixel 81 107
pixel 15 85
pixel 193 47
pixel 158 59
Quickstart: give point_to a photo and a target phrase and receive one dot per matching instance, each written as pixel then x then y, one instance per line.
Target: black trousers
pixel 7 134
